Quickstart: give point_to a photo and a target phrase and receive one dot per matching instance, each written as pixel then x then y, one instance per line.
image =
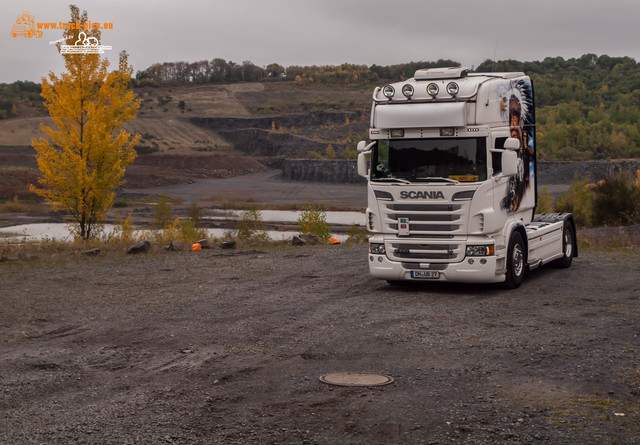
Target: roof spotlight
pixel 407 90
pixel 453 88
pixel 433 89
pixel 388 91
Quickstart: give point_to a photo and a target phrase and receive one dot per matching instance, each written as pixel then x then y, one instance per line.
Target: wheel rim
pixel 568 243
pixel 517 260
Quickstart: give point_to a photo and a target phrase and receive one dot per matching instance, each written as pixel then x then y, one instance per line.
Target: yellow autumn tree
pixel 84 159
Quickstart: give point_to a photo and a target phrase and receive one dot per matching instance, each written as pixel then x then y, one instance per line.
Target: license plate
pixel 426 274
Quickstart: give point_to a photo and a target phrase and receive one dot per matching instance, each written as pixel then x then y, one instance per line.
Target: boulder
pixel 141 247
pixel 174 246
pixel 303 238
pixel 204 243
pixel 228 245
pixel 297 241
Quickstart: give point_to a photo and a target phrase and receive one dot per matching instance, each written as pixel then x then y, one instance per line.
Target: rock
pixel 91 252
pixel 174 246
pixel 303 238
pixel 141 247
pixel 297 241
pixel 204 243
pixel 228 245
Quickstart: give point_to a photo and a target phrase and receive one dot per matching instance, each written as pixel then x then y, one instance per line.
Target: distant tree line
pixel 587 108
pixel 221 71
pixel 19 91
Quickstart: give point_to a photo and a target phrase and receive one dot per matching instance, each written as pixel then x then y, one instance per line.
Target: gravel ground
pixel 228 347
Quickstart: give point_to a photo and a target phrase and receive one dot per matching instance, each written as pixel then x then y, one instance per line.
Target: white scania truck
pixel 451 170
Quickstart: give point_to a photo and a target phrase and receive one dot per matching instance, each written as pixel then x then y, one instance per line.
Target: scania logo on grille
pixel 421 195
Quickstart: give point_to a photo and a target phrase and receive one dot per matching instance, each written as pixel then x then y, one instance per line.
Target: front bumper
pixel 463 272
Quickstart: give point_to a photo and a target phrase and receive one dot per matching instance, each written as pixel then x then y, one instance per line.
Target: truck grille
pixel 442 223
pixel 426 219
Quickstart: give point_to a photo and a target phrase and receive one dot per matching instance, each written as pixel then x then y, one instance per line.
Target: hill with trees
pixel 587 107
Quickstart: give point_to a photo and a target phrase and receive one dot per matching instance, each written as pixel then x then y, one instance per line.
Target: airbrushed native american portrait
pixel 516 108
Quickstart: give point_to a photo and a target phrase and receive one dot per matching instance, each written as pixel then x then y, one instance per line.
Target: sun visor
pixel 422 115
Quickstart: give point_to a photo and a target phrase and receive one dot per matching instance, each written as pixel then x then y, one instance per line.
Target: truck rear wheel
pixel 515 261
pixel 567 247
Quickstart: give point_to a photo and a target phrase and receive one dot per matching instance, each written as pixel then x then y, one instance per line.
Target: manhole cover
pixel 355 379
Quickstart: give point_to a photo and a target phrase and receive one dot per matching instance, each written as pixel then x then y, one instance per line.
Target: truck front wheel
pixel 515 261
pixel 567 247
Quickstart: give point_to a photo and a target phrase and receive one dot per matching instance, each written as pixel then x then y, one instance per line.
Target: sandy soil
pixel 228 347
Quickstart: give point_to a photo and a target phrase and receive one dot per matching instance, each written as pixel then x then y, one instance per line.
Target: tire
pixel 568 247
pixel 516 261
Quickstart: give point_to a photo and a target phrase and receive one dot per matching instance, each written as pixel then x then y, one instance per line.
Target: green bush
pixel 330 152
pixel 578 199
pixel 195 214
pixel 313 221
pixel 545 201
pixel 358 235
pixel 617 201
pixel 314 155
pixel 182 230
pixel 350 153
pixel 250 226
pixel 164 211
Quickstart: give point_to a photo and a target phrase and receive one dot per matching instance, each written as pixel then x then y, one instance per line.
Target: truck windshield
pixel 429 160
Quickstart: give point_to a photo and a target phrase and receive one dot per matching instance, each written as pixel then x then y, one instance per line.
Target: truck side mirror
pixel 361 146
pixel 362 165
pixel 512 144
pixel 509 162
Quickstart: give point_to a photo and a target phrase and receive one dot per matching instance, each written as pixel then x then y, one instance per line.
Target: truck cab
pixel 451 171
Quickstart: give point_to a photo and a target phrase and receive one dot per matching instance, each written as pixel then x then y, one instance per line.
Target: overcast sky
pixel 328 32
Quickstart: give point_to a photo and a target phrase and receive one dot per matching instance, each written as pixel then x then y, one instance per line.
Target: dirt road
pixel 228 347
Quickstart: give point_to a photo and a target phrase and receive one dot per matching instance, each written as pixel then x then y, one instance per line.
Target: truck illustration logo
pixel 25 26
pixel 84 45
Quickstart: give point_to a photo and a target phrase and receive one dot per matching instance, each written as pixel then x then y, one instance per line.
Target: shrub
pixel 330 152
pixel 313 221
pixel 314 155
pixel 545 201
pixel 350 153
pixel 617 201
pixel 358 234
pixel 163 213
pixel 578 199
pixel 195 214
pixel 124 230
pixel 182 230
pixel 13 206
pixel 250 226
pixel 119 203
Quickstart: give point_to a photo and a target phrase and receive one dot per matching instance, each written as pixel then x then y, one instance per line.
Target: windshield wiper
pixel 437 179
pixel 402 181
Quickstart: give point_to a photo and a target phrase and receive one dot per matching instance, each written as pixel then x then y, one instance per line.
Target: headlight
pixel 376 248
pixel 388 91
pixel 433 89
pixel 452 88
pixel 480 250
pixel 407 90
